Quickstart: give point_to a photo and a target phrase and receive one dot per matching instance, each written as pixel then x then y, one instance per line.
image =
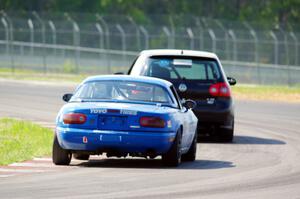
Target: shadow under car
pixel 153 164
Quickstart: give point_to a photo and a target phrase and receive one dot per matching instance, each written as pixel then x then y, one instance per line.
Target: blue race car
pixel 124 115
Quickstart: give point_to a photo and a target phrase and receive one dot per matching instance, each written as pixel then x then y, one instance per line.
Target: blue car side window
pixel 176 97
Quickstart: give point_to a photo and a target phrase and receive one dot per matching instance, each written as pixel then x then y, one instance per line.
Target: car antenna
pixel 182 52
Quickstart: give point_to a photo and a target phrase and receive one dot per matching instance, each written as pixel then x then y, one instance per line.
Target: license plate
pixel 112 122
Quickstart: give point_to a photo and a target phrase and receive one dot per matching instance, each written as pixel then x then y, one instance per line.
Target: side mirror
pixel 67 97
pixel 231 81
pixel 189 104
pixel 119 73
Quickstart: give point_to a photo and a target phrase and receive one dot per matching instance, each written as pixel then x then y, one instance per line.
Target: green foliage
pixel 266 12
pixel 20 140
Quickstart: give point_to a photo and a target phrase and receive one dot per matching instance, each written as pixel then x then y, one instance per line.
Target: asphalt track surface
pixel 262 162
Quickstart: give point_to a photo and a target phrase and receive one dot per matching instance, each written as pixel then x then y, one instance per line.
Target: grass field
pixel 39 76
pixel 22 140
pixel 270 93
pixel 240 91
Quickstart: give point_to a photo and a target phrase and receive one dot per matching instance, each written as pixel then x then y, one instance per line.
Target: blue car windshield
pixel 109 90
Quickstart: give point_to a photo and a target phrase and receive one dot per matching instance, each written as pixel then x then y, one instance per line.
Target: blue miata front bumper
pixel 124 141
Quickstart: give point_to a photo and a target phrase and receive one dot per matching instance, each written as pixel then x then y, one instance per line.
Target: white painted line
pixel 21 170
pixel 5 176
pixel 43 159
pixel 29 164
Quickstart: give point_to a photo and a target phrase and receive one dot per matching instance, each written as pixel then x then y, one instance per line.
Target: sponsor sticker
pixel 135 127
pixel 128 112
pixel 164 63
pixel 98 111
pixel 183 62
pixel 84 139
pixel 104 111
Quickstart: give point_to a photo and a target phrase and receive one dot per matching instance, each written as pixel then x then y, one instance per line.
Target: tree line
pixel 276 13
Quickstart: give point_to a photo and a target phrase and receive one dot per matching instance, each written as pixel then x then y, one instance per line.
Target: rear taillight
pixel 154 122
pixel 220 90
pixel 74 118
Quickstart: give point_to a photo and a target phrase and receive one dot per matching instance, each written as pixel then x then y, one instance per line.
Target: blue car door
pixel 184 117
pixel 185 133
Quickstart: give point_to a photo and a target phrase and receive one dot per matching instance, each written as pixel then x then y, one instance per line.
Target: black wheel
pixel 226 135
pixel 79 156
pixel 173 156
pixel 191 154
pixel 60 156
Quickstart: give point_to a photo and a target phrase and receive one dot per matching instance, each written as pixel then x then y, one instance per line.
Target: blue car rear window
pixel 122 90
